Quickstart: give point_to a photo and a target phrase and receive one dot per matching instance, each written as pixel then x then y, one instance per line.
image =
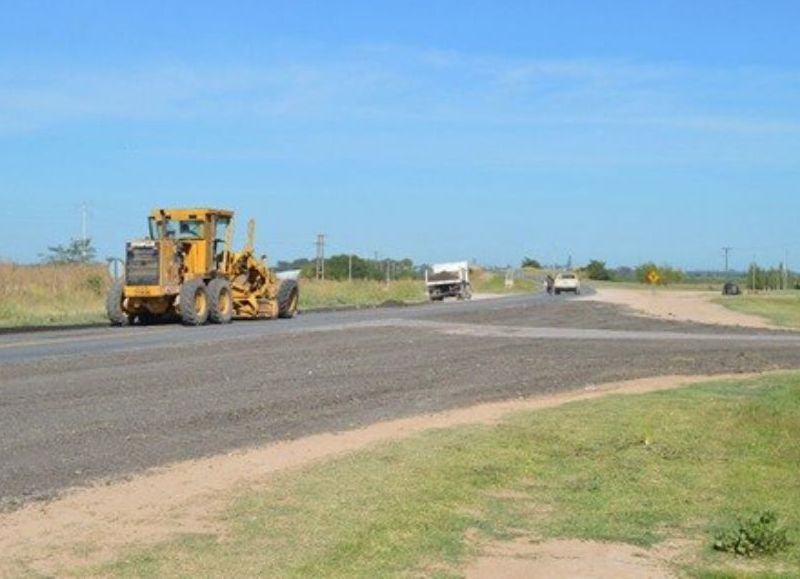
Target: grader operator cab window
pixel 220 233
pixel 184 229
pixel 177 230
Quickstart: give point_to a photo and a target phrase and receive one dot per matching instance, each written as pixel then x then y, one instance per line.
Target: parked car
pixel 731 289
pixel 567 282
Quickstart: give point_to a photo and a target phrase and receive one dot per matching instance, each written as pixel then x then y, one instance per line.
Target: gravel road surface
pixel 82 406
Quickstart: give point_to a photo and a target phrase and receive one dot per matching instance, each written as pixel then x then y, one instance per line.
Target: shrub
pixel 758 535
pixel 530 262
pixel 596 270
pixel 95 284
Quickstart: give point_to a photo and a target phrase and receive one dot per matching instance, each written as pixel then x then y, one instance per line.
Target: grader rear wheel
pixel 194 303
pixel 288 298
pixel 114 300
pixel 220 301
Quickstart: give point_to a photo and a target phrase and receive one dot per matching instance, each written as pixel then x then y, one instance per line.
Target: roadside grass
pixel 683 286
pixel 642 469
pixel 315 294
pixel 52 294
pixel 780 308
pixel 41 295
pixel 494 283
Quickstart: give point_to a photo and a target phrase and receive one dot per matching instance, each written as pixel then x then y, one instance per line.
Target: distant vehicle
pixel 567 282
pixel 445 280
pixel 731 289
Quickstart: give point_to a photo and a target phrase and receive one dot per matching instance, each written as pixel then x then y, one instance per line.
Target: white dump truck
pixel 445 280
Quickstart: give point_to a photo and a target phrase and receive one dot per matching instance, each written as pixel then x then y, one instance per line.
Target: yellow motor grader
pixel 186 268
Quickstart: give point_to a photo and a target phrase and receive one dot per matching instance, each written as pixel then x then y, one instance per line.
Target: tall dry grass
pixel 52 294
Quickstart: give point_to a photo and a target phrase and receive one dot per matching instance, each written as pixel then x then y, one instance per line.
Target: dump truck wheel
pixel 288 296
pixel 194 303
pixel 116 314
pixel 220 301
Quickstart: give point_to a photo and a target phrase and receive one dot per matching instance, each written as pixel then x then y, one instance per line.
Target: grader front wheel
pixel 288 298
pixel 194 303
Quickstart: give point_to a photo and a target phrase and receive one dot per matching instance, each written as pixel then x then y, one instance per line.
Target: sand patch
pixel 568 559
pixel 682 306
pixel 91 525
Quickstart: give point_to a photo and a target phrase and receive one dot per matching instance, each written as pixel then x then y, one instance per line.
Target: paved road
pixel 87 405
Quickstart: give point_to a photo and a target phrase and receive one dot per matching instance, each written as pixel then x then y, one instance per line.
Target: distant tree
pixel 596 269
pixel 624 273
pixel 338 267
pixel 666 274
pixel 530 262
pixel 760 278
pixel 76 251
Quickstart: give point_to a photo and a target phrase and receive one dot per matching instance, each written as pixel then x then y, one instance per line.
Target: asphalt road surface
pixel 82 406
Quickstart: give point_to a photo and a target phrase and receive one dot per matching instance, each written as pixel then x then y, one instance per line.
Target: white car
pixel 567 282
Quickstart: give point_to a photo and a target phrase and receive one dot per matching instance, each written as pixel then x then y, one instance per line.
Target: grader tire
pixel 220 301
pixel 114 299
pixel 194 303
pixel 288 296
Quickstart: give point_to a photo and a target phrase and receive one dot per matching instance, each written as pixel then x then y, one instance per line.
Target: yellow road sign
pixel 653 277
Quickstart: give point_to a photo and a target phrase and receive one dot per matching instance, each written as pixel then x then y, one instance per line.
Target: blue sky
pixel 625 131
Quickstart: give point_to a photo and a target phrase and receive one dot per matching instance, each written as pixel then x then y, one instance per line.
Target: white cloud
pixel 388 84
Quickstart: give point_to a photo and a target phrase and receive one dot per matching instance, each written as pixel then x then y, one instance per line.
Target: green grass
pixel 637 469
pixel 492 283
pixel 362 293
pixel 780 308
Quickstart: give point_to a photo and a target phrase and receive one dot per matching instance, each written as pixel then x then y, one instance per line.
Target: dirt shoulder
pixel 90 525
pixel 682 306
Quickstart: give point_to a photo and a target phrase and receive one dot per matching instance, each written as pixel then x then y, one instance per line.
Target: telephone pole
pixel 785 268
pixel 727 251
pixel 321 256
pixel 84 228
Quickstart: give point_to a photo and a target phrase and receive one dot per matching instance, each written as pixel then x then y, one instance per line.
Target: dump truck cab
pixel 185 267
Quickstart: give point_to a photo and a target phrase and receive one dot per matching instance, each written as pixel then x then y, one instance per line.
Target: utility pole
pixel 785 268
pixel 84 228
pixel 727 251
pixel 321 256
pixel 350 268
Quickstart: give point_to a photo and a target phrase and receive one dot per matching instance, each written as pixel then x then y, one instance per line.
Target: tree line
pixel 344 266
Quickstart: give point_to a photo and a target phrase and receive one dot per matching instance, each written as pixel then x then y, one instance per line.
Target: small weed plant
pixel 753 536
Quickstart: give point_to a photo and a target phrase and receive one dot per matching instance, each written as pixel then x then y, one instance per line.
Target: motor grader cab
pixel 186 268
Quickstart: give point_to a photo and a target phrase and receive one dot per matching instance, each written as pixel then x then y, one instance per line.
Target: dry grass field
pixel 52 294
